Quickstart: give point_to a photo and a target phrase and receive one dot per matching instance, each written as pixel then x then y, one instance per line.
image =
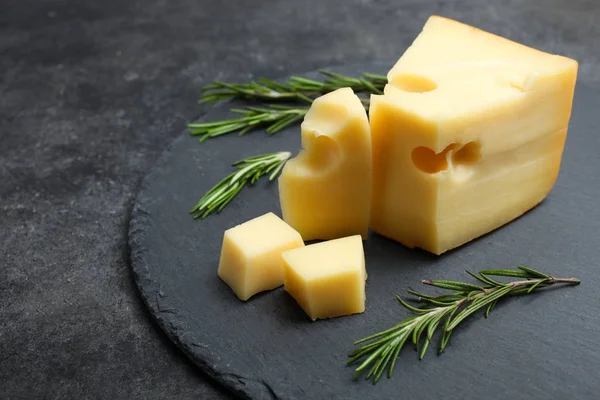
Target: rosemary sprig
pixel 248 170
pixel 380 351
pixel 274 118
pixel 295 88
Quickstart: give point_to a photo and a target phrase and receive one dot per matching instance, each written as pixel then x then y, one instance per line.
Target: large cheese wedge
pixel 251 254
pixel 468 135
pixel 325 192
pixel 327 279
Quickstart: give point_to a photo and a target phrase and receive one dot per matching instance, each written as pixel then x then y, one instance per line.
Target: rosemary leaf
pixel 505 272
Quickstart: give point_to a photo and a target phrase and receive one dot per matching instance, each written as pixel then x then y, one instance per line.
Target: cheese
pixel 327 279
pixel 251 254
pixel 468 135
pixel 325 192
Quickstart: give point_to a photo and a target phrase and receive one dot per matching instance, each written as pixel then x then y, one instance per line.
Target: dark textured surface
pixel 90 94
pixel 267 348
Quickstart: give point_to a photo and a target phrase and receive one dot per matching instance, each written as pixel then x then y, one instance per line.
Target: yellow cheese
pixel 468 135
pixel 327 279
pixel 251 254
pixel 325 192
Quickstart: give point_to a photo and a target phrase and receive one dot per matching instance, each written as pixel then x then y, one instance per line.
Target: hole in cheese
pixel 413 83
pixel 469 154
pixel 428 161
pixel 319 152
pixel 453 156
pixel 320 127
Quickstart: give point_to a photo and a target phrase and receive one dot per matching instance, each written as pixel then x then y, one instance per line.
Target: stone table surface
pixel 91 92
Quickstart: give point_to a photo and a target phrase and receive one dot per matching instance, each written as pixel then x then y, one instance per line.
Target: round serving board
pixel 538 347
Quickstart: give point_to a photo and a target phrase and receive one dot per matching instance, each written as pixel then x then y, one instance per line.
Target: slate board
pixel 539 347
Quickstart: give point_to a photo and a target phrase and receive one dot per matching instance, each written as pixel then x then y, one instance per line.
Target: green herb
pixel 295 88
pixel 248 170
pixel 274 118
pixel 445 312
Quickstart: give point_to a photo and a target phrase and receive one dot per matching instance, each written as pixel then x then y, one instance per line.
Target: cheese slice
pixel 251 254
pixel 468 135
pixel 327 279
pixel 325 192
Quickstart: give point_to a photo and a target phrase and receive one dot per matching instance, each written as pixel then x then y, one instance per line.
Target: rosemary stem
pixel 551 280
pixel 515 284
pixel 571 281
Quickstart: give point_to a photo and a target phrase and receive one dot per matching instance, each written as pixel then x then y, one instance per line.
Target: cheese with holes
pixel 467 136
pixel 325 192
pixel 251 254
pixel 327 279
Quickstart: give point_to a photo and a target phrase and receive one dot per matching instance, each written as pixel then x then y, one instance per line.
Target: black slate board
pixel 539 347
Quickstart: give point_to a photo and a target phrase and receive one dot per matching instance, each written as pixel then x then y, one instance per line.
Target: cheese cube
pixel 468 135
pixel 327 279
pixel 251 255
pixel 325 192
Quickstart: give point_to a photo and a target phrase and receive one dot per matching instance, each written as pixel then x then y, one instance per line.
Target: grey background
pixel 91 92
